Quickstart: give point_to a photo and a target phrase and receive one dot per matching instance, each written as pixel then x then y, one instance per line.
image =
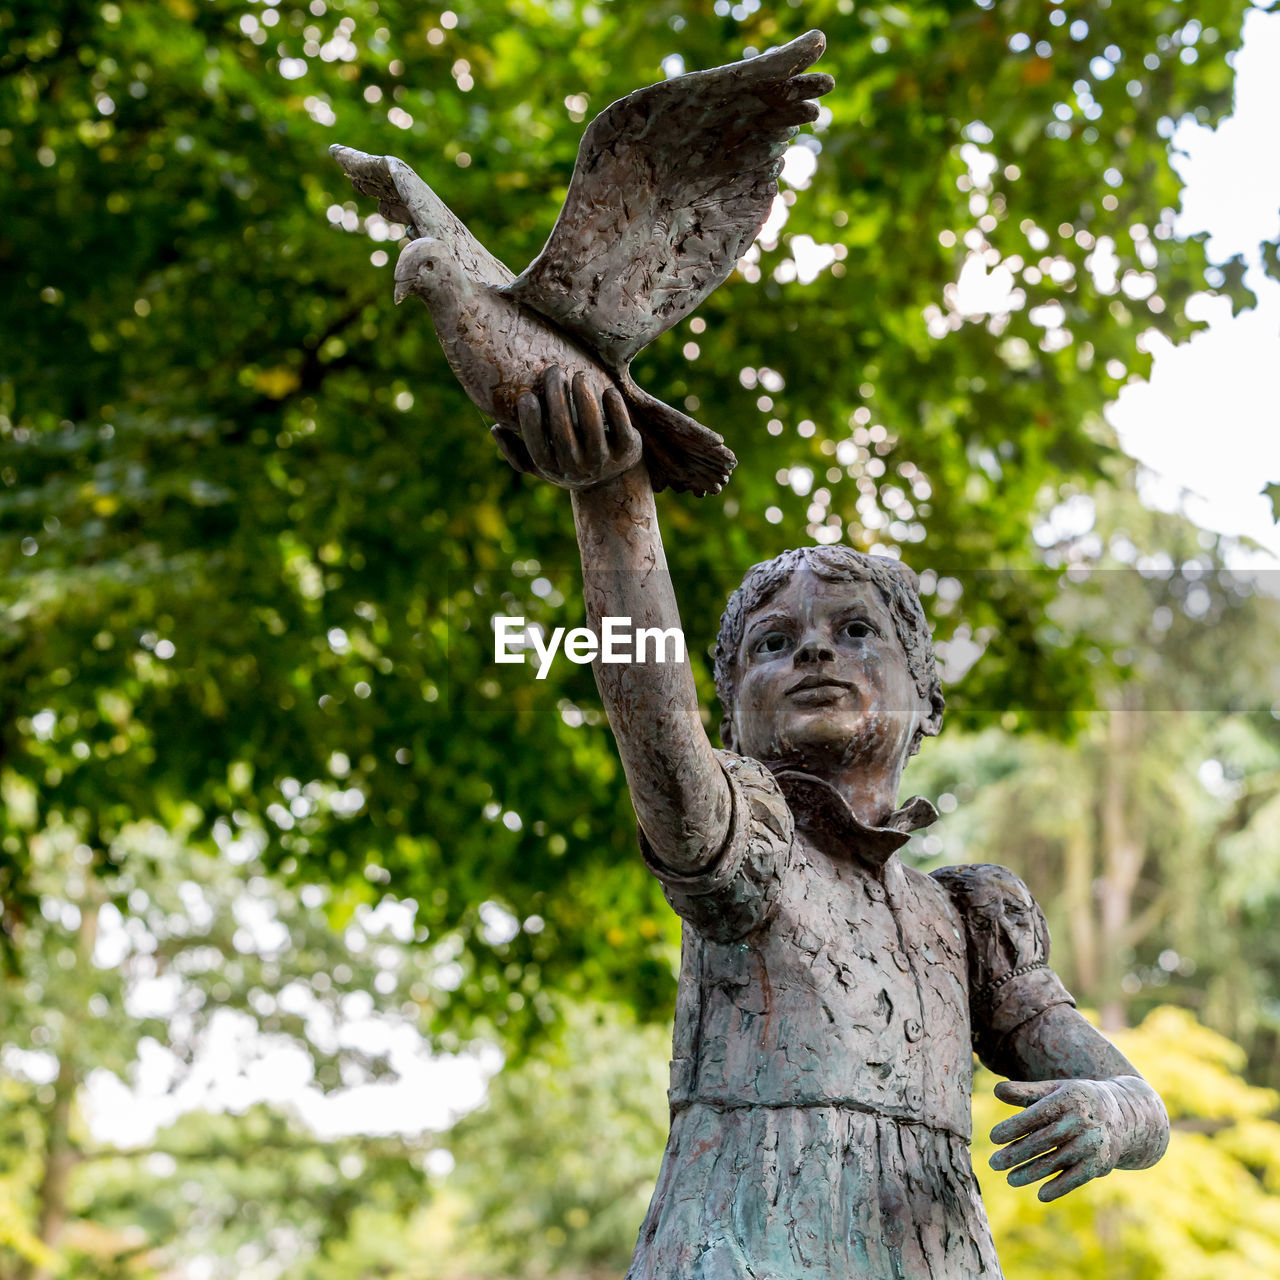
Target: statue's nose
pixel 814 648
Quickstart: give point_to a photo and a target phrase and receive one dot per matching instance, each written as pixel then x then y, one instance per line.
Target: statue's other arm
pixel 1087 1110
pixel 575 441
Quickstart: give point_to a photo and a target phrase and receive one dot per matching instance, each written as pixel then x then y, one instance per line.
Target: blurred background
pixel 326 950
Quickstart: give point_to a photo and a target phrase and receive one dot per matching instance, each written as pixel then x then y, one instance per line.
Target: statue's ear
pixel 931 709
pixel 726 733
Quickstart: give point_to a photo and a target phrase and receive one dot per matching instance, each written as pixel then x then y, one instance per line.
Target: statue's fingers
pixel 590 424
pixel 534 433
pixel 626 444
pixel 1064 1157
pixel 1034 1117
pixel 616 417
pixel 560 432
pixel 1069 1180
pixel 513 449
pixel 1037 1142
pixel 1022 1093
pixel 811 85
pixel 803 112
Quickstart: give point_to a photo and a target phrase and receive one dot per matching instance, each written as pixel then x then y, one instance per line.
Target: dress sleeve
pixel 1010 981
pixel 737 891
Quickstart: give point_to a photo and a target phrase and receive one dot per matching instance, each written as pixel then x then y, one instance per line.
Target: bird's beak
pixel 402 291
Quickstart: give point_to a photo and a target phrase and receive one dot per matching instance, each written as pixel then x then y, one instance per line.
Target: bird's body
pixel 494 345
pixel 671 185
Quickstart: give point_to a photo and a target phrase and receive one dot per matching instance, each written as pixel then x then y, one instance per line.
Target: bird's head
pixel 425 267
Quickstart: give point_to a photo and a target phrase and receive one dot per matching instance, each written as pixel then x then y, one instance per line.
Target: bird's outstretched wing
pixel 402 196
pixel 671 185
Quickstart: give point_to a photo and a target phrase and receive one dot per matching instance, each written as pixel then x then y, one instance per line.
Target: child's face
pixel 824 677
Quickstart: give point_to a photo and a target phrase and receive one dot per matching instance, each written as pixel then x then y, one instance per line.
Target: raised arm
pixel 591 448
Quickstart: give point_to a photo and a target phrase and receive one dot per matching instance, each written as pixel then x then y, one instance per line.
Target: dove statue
pixel 671 185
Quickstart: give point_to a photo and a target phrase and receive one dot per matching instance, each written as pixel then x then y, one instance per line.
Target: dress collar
pixel 822 811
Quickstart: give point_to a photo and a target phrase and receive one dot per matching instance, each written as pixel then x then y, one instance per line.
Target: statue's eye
pixel 773 642
pixel 430 264
pixel 857 629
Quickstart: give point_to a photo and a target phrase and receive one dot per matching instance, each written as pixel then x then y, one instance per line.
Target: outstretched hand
pixel 575 442
pixel 1072 1128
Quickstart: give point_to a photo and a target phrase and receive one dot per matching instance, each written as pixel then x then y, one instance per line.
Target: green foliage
pixel 556 1170
pixel 148 962
pixel 253 532
pixel 252 1194
pixel 20 1171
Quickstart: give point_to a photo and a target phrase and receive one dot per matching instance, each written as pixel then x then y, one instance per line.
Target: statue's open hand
pixel 1074 1128
pixel 577 444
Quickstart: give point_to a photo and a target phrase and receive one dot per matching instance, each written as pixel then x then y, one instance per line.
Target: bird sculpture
pixel 672 184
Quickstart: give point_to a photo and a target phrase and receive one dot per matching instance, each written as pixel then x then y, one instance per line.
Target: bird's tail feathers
pixel 681 454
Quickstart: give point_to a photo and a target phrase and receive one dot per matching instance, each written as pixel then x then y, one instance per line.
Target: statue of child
pixel 830 997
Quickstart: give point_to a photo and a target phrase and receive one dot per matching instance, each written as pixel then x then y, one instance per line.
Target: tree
pixel 253 533
pixel 170 953
pixel 553 1175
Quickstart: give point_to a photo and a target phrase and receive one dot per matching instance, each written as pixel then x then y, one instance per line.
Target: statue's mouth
pixel 818 682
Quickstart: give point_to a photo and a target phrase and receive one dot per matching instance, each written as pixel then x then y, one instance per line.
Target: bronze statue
pixel 830 997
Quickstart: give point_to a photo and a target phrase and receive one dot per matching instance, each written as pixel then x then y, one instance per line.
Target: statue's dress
pixel 828 1004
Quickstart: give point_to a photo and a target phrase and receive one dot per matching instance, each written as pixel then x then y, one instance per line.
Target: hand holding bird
pixel 578 441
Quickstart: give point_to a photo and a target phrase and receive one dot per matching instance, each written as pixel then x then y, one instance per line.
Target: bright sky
pixel 237 1067
pixel 1207 422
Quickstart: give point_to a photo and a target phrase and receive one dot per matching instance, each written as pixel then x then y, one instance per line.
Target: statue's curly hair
pixel 898 586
